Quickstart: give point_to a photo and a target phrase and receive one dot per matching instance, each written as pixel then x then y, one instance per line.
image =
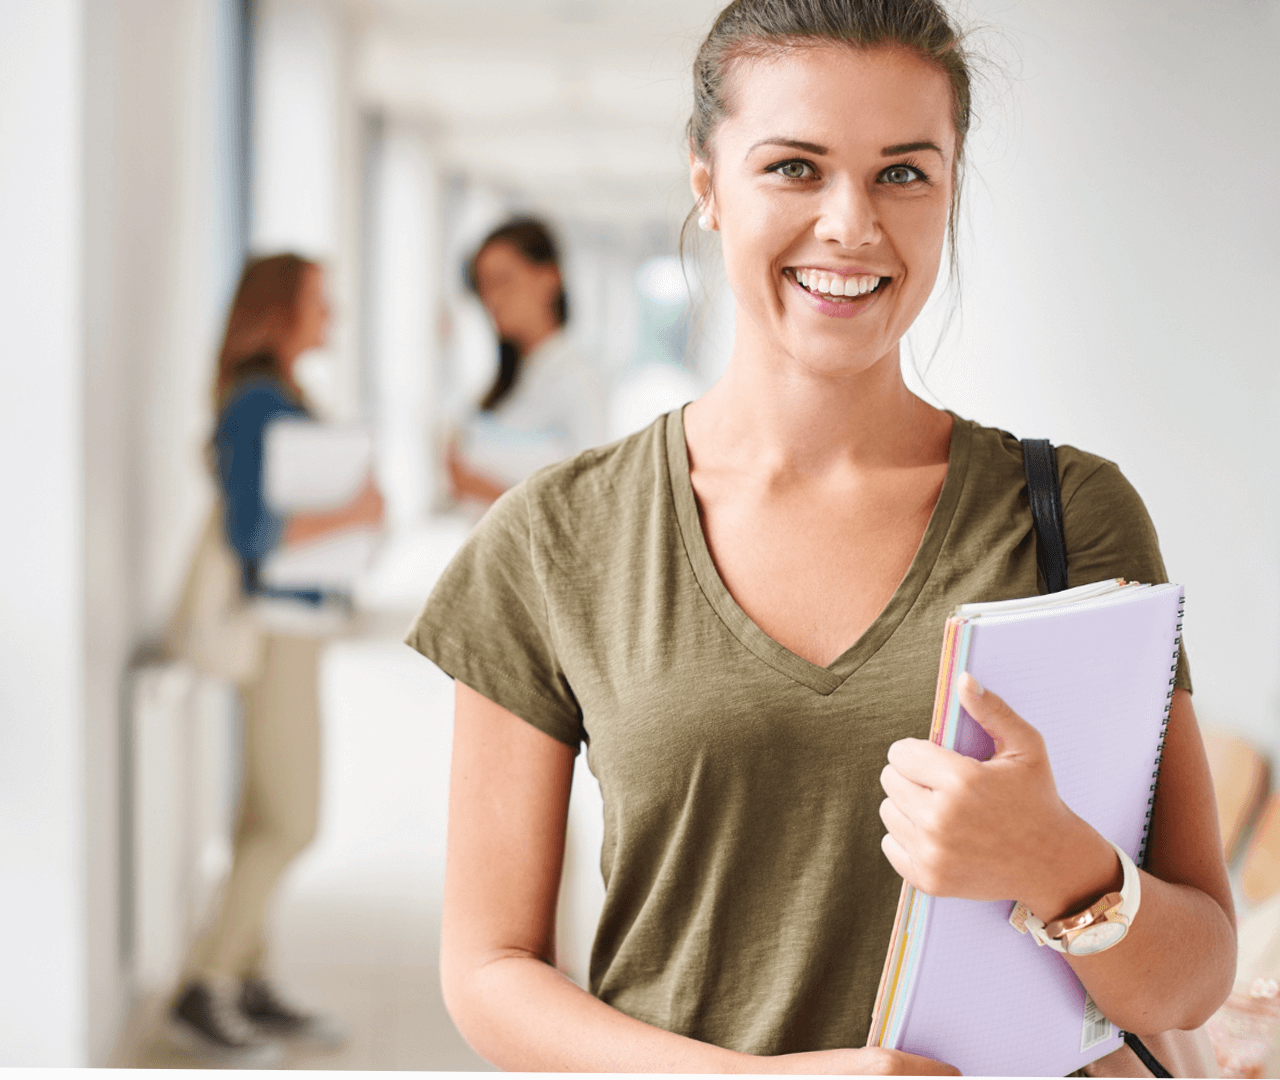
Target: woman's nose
pixel 847 216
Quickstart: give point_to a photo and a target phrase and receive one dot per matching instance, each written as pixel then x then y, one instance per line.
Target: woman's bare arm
pixel 365 509
pixel 466 483
pixel 508 801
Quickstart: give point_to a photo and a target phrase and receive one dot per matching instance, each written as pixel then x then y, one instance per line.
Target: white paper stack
pixel 309 468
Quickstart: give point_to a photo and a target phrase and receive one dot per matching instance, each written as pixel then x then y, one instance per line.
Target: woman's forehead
pixel 840 97
pixel 500 254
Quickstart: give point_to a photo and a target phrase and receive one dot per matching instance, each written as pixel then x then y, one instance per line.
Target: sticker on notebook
pixel 1097 1028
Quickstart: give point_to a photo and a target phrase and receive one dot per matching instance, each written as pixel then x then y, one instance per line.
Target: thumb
pixel 1010 733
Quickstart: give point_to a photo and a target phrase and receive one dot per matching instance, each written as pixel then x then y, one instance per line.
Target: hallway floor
pixel 392 1013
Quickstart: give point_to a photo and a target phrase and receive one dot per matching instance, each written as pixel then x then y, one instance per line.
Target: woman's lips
pixel 836 308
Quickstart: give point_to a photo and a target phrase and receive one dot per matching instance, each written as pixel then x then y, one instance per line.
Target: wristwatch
pixel 1098 927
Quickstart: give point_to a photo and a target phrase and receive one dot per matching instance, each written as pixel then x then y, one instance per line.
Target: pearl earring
pixel 704 223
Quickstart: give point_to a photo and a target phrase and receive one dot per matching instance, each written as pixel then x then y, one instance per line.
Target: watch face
pixel 1095 938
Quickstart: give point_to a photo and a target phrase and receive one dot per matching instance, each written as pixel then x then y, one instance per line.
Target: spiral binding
pixel 1164 731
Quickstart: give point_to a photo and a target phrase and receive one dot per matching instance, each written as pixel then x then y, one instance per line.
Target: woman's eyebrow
pixel 908 147
pixel 795 144
pixel 814 148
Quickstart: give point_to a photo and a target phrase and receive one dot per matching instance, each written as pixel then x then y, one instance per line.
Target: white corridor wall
pixel 42 870
pixel 1119 290
pixel 404 261
pixel 116 245
pixel 305 182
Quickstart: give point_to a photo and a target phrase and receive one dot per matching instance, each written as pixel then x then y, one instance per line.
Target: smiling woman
pixel 739 611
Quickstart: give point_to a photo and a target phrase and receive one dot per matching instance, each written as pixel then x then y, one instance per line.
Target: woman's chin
pixel 837 356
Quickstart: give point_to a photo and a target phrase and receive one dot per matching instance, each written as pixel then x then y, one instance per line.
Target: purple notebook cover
pixel 1095 682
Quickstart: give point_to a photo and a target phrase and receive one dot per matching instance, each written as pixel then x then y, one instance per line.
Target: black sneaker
pixel 207 1021
pixel 260 1004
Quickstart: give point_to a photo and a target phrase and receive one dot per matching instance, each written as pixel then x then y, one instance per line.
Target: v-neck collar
pixel 824 680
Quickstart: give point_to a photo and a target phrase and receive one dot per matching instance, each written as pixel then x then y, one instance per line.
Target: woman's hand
pixel 465 482
pixel 997 830
pixel 365 510
pixel 368 507
pixel 986 830
pixel 871 1061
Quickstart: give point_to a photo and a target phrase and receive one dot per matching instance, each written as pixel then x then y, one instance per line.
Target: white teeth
pixel 819 282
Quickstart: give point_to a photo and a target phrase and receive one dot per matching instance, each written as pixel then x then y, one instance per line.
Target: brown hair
pixel 533 239
pixel 749 29
pixel 262 314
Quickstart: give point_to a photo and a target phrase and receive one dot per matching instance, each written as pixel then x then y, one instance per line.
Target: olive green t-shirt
pixel 747 901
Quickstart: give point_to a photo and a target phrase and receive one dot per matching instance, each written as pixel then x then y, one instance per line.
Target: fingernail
pixel 975 687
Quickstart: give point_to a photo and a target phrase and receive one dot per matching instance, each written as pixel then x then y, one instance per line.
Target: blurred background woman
pixel 280 311
pixel 546 402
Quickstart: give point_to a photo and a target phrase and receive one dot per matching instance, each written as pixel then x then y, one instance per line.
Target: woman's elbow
pixel 461 1002
pixel 1202 997
pixel 474 983
pixel 1219 980
pixel 457 970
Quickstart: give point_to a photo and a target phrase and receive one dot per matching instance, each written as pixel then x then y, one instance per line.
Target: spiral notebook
pixel 1092 668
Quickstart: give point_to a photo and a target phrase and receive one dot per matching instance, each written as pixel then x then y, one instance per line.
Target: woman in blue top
pixel 279 312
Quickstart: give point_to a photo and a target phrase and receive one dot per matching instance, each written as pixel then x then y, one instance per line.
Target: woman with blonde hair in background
pixel 227 1004
pixel 546 402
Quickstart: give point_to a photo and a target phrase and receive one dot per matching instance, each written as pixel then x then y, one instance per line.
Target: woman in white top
pixel 546 402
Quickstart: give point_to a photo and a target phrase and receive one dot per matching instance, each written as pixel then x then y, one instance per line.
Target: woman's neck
pixel 534 339
pixel 766 416
pixel 287 367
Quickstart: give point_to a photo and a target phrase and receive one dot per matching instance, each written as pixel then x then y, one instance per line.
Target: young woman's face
pixel 832 175
pixel 518 294
pixel 311 314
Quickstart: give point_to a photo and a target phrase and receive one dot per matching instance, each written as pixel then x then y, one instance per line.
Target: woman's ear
pixel 700 184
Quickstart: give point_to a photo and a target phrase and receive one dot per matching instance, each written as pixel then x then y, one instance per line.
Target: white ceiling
pixel 577 105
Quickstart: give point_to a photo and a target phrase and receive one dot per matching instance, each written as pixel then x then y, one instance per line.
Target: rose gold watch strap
pixel 1059 928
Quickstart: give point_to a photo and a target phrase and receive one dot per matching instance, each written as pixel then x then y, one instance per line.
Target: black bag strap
pixel 1145 1056
pixel 1045 497
pixel 1041 464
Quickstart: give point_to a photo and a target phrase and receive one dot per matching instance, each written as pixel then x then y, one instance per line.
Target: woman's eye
pixel 901 174
pixel 793 170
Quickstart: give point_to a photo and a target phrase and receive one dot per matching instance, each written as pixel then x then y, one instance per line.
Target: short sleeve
pixel 486 624
pixel 1110 534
